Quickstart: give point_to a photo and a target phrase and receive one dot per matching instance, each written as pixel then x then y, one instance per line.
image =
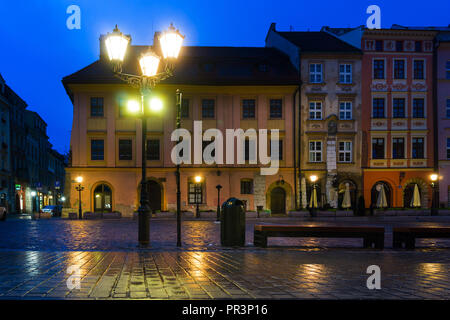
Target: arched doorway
pixel 102 198
pixel 278 201
pixel 154 195
pixel 375 190
pixel 408 195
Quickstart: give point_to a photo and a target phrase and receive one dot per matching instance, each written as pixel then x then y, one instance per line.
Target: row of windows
pixel 398 45
pixel 196 190
pixel 399 69
pixel 125 149
pixel 208 108
pixel 345 151
pixel 316 73
pixel 153 149
pixel 316 110
pixel 398 148
pixel 398 108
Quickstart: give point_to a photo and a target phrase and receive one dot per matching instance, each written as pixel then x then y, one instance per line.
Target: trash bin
pixel 232 223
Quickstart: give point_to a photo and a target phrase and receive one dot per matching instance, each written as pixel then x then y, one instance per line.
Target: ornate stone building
pixel 330 112
pixel 398 114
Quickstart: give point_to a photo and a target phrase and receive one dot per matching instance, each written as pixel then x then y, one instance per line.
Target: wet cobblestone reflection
pixel 35 257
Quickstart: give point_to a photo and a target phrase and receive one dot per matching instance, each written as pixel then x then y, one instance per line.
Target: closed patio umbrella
pixel 313 201
pixel 416 197
pixel 346 202
pixel 381 200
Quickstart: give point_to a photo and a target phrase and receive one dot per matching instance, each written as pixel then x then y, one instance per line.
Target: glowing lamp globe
pixel 116 45
pixel 313 178
pixel 198 179
pixel 156 104
pixel 171 41
pixel 149 63
pixel 133 106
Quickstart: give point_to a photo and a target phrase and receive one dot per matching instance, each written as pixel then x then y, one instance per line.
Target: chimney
pixel 103 53
pixel 156 45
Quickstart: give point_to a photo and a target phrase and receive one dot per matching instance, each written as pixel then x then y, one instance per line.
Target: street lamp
pixel 198 180
pixel 434 208
pixel 179 98
pixel 79 188
pixel 116 45
pixel 313 203
pixel 218 187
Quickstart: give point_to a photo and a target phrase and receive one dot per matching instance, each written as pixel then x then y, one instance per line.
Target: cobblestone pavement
pixel 100 235
pixel 35 255
pixel 269 274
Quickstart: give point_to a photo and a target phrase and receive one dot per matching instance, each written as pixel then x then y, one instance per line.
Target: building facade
pixel 330 113
pixel 26 183
pixel 397 115
pixel 224 88
pixel 443 116
pixel 6 191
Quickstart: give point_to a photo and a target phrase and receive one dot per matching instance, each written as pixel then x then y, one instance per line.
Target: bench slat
pixel 300 228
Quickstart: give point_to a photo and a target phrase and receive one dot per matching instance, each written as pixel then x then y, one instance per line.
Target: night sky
pixel 37 49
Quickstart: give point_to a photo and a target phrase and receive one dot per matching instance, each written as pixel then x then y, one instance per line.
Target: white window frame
pixel 447 71
pixel 345 151
pixel 315 151
pixel 424 146
pixel 447 148
pixel 347 108
pixel 345 73
pixel 384 147
pixel 405 142
pixel 447 108
pixel 313 108
pixel 384 109
pixel 424 70
pixel 384 69
pixel 314 75
pixel 405 68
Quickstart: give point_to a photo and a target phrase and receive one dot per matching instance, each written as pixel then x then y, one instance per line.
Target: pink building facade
pixel 443 117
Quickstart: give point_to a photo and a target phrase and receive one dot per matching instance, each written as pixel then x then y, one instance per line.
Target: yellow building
pixel 224 87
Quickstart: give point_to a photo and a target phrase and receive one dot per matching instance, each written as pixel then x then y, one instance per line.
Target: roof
pixel 430 28
pixel 203 66
pixel 318 41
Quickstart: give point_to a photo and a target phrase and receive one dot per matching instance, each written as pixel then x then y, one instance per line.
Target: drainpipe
pixel 299 90
pixel 435 118
pixel 294 153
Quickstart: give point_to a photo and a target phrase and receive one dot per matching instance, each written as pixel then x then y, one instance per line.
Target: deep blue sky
pixel 37 50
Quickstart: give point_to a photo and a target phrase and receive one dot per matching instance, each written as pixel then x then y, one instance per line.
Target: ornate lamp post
pixel 116 46
pixel 198 195
pixel 79 188
pixel 312 205
pixel 218 187
pixel 434 208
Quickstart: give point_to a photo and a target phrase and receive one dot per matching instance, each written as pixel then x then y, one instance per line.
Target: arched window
pixel 102 198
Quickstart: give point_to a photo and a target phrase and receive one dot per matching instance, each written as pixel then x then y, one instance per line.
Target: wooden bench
pixel 372 236
pixel 407 235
